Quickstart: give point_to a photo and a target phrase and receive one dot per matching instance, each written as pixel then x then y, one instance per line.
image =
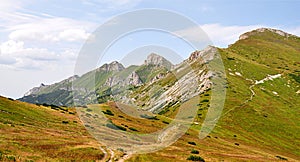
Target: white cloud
pixel 295 31
pixel 72 35
pixel 51 30
pixel 6 60
pixel 14 55
pixel 10 5
pixel 11 47
pixel 220 35
pixel 225 35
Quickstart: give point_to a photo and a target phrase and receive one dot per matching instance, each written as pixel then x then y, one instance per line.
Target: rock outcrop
pixel 155 59
pixel 35 90
pixel 111 67
pixel 63 85
pixel 261 30
pixel 206 55
pixel 134 79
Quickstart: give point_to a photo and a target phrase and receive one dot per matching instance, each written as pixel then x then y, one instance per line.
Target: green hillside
pixel 260 127
pixel 43 133
pixel 259 122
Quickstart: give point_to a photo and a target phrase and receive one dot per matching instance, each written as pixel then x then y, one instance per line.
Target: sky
pixel 40 40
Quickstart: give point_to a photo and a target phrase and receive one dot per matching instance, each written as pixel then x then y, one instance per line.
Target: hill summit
pixel 262 30
pixel 155 59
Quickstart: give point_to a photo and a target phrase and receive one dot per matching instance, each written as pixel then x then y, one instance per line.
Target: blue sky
pixel 40 40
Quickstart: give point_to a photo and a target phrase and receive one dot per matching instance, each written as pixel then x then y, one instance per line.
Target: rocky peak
pixel 112 67
pixel 72 78
pixel 65 84
pixel 206 54
pixel 155 59
pixel 261 30
pixel 35 90
pixel 134 79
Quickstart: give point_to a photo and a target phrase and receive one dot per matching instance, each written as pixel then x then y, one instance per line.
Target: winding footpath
pixel 254 83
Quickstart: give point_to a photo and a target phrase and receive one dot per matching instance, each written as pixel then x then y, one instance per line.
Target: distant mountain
pixel 114 82
pixel 155 59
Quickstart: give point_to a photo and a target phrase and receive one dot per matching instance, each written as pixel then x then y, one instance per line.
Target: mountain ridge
pixel 260 118
pixel 140 75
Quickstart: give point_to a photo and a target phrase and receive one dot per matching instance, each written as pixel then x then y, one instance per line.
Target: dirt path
pixel 124 158
pixel 253 84
pixel 105 153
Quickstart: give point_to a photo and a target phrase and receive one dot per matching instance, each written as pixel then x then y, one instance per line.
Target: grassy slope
pixel 30 132
pixel 262 128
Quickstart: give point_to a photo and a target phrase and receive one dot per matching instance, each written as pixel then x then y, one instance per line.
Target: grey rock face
pixel 134 79
pixel 112 67
pixel 260 30
pixel 35 90
pixel 206 55
pixel 155 59
pixel 64 85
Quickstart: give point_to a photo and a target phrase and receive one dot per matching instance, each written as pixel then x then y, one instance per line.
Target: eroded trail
pixel 109 155
pixel 251 87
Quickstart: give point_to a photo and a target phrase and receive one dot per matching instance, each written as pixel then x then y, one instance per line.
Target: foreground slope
pixel 43 133
pixel 260 120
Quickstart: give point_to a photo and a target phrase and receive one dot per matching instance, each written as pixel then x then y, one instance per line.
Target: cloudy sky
pixel 40 39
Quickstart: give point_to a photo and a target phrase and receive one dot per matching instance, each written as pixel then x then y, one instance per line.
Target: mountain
pixel 260 119
pixel 114 82
pixel 155 59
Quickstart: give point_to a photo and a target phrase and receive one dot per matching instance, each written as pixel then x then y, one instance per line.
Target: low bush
pixel 195 158
pixel 195 152
pixel 281 158
pixel 108 112
pixel 65 122
pixel 115 127
pixel 165 122
pixel 133 129
pixel 205 100
pixel 192 143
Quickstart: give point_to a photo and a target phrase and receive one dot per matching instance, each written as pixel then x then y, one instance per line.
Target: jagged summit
pixel 37 90
pixel 206 54
pixel 261 30
pixel 155 59
pixel 114 66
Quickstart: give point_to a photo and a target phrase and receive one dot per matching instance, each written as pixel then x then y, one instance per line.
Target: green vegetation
pixel 192 143
pixel 263 127
pixel 195 158
pixel 108 112
pixel 281 158
pixel 195 152
pixel 116 127
pixel 295 77
pixel 40 133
